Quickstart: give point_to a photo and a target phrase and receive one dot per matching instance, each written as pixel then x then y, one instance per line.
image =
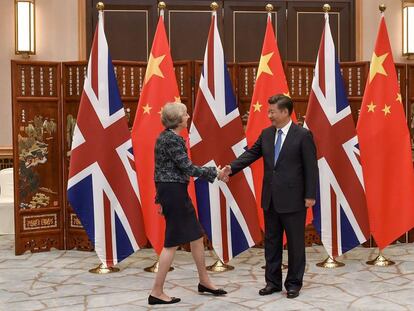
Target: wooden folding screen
pixel 44 119
pixel 37 141
pixel 73 77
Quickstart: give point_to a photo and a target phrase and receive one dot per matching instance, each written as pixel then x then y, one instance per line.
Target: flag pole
pixel 330 261
pixel 269 9
pixel 218 266
pixel 102 268
pixel 154 267
pixel 381 260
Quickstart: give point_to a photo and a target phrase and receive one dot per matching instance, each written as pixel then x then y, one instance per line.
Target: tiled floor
pixel 59 280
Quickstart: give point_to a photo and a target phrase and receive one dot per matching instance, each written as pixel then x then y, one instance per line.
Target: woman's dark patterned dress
pixel 172 173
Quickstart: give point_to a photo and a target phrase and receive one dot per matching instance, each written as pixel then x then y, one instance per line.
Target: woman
pixel 173 169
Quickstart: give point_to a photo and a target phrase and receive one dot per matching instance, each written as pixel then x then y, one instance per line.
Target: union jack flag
pixel 226 211
pixel 340 212
pixel 102 185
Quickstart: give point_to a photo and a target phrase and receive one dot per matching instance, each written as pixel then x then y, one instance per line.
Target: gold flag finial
pixel 382 7
pixel 326 8
pixel 162 5
pixel 100 6
pixel 269 7
pixel 214 6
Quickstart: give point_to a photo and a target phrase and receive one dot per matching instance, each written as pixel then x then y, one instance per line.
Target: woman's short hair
pixel 172 114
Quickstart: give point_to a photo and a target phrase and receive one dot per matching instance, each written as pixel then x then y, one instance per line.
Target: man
pixel 289 187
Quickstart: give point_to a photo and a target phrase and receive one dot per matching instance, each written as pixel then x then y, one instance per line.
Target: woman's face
pixel 184 119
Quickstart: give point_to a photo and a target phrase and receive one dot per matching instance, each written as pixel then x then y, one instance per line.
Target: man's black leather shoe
pixel 215 292
pixel 292 294
pixel 269 290
pixel 157 301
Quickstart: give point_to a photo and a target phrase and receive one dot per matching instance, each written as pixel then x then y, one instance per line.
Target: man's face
pixel 279 118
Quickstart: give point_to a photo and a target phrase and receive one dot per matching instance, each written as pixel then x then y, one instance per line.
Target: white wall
pixel 6 53
pixel 370 23
pixel 56 40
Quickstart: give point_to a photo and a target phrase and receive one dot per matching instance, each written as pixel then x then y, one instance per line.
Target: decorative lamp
pixel 408 27
pixel 25 35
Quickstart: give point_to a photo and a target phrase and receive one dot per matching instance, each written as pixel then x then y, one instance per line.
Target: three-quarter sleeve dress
pixel 173 169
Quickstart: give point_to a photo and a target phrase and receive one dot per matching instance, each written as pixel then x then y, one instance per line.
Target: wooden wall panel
pixel 129 27
pixel 245 26
pixel 37 156
pixel 305 25
pixel 187 24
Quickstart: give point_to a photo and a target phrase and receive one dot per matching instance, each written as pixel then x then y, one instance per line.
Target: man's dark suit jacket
pixel 295 175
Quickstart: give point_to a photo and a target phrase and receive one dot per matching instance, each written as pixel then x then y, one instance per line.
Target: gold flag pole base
pixel 219 266
pixel 380 261
pixel 102 269
pixel 330 263
pixel 284 267
pixel 154 268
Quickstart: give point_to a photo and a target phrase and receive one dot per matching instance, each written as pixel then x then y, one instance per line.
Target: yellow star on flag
pixel 147 108
pixel 371 107
pixel 399 98
pixel 387 110
pixel 377 66
pixel 153 67
pixel 257 107
pixel 264 65
pixel 287 94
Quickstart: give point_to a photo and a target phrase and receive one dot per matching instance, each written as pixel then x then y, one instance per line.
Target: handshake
pixel 223 173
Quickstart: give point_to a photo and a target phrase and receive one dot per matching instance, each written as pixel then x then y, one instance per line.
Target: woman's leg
pixel 197 250
pixel 165 260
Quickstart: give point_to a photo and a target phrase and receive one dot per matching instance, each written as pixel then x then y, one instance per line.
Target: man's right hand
pixel 225 172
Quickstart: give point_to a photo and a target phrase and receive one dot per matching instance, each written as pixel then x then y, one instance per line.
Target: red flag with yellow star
pixel 160 87
pixel 385 148
pixel 270 80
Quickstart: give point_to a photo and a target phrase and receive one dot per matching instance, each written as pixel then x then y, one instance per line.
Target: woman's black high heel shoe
pixel 215 292
pixel 157 301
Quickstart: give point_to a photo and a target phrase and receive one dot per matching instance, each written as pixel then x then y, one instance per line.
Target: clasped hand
pixel 223 173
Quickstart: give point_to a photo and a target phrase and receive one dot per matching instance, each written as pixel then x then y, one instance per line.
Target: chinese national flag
pixel 270 80
pixel 385 148
pixel 160 87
